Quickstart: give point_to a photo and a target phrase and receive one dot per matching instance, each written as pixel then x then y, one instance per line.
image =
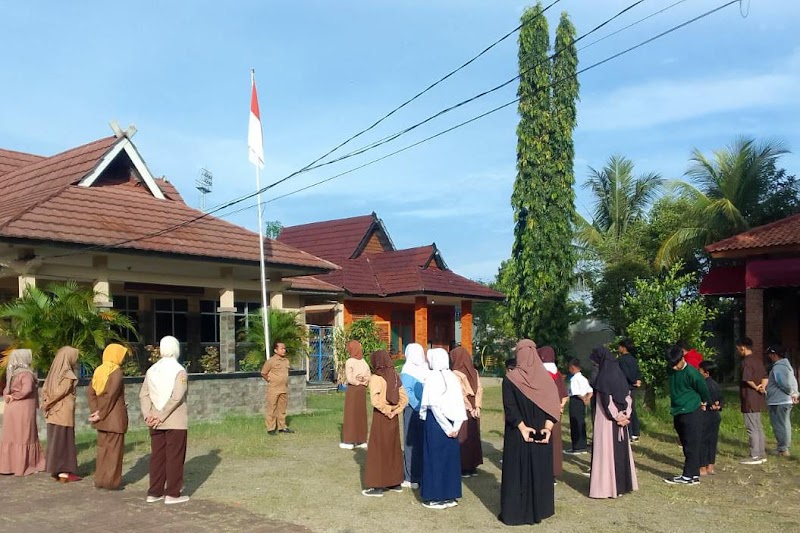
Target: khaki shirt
pixel 276 373
pixel 377 395
pixel 357 371
pixel 110 405
pixel 60 409
pixel 175 414
pixel 476 396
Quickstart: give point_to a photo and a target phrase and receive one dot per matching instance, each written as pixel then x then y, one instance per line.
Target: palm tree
pixel 726 193
pixel 63 314
pixel 620 201
pixel 283 327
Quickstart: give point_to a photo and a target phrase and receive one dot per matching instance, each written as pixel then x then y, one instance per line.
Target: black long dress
pixel 526 492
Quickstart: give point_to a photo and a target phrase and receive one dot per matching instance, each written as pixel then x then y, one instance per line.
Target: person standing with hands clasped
pixel 162 400
pixel 109 417
pixel 689 397
pixel 276 373
pixel 752 390
pixel 781 396
pixel 532 407
pixel 354 422
pixel 443 398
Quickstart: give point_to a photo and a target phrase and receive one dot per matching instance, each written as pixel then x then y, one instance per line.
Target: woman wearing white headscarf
pixel 415 372
pixel 163 403
pixel 443 398
pixel 20 450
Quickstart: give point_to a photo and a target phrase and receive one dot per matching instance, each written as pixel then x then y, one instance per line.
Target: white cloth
pixel 161 376
pixel 442 394
pixel 551 367
pixel 579 385
pixel 415 365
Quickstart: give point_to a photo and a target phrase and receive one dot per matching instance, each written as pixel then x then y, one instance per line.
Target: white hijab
pixel 442 388
pixel 415 365
pixel 161 376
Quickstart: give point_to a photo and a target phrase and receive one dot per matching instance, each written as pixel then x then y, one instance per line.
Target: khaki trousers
pixel 276 410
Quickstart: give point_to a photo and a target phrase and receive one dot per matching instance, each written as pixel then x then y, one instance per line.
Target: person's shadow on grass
pixel 198 469
pixel 360 457
pixel 486 486
pixel 138 471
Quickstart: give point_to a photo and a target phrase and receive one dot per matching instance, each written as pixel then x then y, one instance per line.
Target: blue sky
pixel 179 71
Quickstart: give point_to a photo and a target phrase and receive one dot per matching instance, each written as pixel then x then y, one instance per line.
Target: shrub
pixel 283 327
pixel 364 331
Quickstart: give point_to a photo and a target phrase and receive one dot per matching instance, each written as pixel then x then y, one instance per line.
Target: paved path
pixel 37 503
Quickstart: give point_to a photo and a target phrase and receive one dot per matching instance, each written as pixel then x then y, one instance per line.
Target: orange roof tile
pixel 11 160
pixel 331 239
pixel 784 232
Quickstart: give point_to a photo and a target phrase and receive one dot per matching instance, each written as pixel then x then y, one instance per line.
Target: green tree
pixel 283 327
pixel 494 330
pixel 661 311
pixel 543 199
pixel 273 229
pixel 727 193
pixel 63 314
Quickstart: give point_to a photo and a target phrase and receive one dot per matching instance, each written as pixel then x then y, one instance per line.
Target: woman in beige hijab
pixel 20 450
pixel 58 404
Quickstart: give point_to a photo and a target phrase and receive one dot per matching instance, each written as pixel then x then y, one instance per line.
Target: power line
pixel 250 195
pixel 500 107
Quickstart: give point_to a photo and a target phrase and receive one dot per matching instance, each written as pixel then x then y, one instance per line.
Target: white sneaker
pixel 434 505
pixel 450 503
pixel 345 446
pixel 169 500
pixel 409 485
pixel 154 499
pixel 363 445
pixel 754 461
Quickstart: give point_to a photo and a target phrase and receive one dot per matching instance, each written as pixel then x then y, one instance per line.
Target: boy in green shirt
pixel 689 396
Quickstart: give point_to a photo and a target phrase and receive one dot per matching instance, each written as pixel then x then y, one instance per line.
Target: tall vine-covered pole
pixel 543 199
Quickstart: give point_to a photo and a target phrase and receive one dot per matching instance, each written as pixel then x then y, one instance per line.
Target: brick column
pixel 227 325
pixel 754 318
pixel 421 321
pixel 466 325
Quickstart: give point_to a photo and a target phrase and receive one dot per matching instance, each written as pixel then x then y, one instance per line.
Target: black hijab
pixel 610 379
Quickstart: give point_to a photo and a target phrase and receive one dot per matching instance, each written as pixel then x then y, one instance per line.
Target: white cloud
pixel 669 101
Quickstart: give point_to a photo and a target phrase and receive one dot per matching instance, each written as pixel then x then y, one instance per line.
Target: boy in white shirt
pixel 580 393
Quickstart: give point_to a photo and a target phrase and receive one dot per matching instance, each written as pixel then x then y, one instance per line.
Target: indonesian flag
pixel 255 139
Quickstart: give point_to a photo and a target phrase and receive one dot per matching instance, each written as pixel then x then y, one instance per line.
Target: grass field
pixel 306 479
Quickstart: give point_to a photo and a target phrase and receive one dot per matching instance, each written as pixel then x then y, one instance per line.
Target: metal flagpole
pixel 265 302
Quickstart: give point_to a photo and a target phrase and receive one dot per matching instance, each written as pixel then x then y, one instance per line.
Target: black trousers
pixel 690 432
pixel 634 426
pixel 708 452
pixel 577 422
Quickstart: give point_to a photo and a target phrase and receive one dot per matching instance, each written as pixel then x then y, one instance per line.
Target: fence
pixel 320 357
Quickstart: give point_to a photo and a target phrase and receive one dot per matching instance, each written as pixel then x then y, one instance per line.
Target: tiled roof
pixel 34 183
pixel 312 284
pixel 784 232
pixel 332 239
pixel 11 160
pixel 42 201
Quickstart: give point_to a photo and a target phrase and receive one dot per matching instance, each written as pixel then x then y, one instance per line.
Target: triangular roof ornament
pixel 119 133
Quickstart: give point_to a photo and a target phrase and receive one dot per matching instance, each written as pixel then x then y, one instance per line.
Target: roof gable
pixel 331 239
pixel 124 149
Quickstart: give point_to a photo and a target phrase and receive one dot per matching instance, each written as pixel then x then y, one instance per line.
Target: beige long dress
pixel 20 451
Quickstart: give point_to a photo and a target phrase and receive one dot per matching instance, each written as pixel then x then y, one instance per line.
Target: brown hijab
pixel 383 367
pixel 531 378
pixel 63 367
pixel 355 350
pixel 461 360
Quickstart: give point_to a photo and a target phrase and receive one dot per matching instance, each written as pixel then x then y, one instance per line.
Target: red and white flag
pixel 255 138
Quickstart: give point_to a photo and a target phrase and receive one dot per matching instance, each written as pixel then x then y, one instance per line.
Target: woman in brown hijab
pixel 548 356
pixel 109 417
pixel 384 468
pixel 469 436
pixel 354 424
pixel 532 408
pixel 58 404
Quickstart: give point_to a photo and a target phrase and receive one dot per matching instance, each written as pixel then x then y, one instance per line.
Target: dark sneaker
pixel 285 430
pixel 273 432
pixel 396 488
pixel 683 480
pixel 575 452
pixel 375 493
pixel 450 503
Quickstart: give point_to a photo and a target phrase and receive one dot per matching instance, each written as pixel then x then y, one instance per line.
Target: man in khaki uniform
pixel 276 373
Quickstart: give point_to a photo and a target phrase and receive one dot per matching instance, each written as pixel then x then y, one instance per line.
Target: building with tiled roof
pixel 411 294
pixel 96 214
pixel 762 267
